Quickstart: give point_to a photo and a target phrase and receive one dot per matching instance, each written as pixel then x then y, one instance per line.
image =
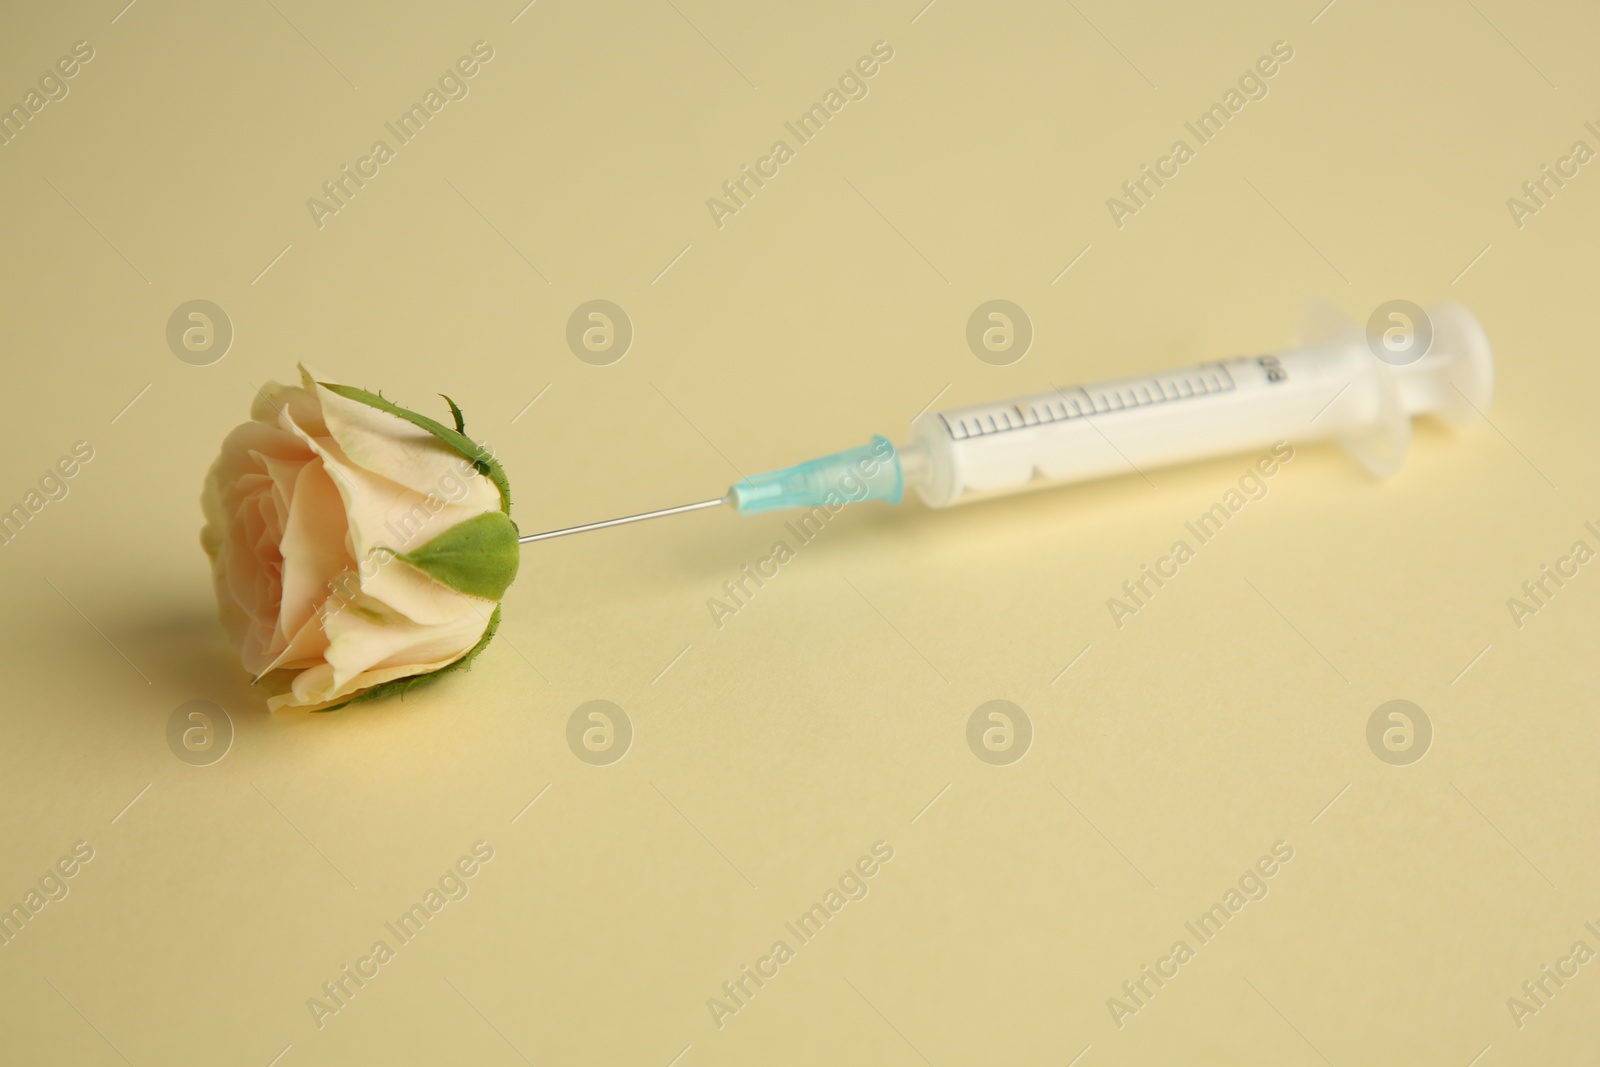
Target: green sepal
pixel 481 458
pixel 478 557
pixel 455 413
pixel 402 686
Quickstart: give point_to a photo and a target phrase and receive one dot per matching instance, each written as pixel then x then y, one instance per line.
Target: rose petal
pixel 362 640
pixel 393 448
pixel 305 648
pixel 317 680
pixel 312 547
pixel 368 647
pixel 385 517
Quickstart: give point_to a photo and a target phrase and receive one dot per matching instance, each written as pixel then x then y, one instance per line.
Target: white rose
pixel 353 543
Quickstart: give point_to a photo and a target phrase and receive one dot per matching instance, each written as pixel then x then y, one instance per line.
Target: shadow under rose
pixel 180 646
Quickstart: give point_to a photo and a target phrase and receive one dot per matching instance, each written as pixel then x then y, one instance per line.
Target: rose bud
pixel 357 548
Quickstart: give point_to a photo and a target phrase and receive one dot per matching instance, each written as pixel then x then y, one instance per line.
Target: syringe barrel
pixel 1337 389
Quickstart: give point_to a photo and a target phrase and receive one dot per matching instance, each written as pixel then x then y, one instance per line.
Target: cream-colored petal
pixel 284 473
pixel 369 648
pixel 244 521
pixel 234 472
pixel 361 640
pixel 385 518
pixel 389 514
pixel 318 681
pixel 415 595
pixel 312 547
pixel 280 405
pixel 246 443
pixel 393 448
pixel 384 514
pixel 249 572
pixel 305 648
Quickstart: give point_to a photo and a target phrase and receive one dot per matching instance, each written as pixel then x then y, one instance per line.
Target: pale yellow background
pixel 827 714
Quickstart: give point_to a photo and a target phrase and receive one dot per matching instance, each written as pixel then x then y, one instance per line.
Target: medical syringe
pixel 1333 387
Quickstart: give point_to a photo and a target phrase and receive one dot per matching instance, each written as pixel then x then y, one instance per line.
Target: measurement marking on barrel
pixel 1076 402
